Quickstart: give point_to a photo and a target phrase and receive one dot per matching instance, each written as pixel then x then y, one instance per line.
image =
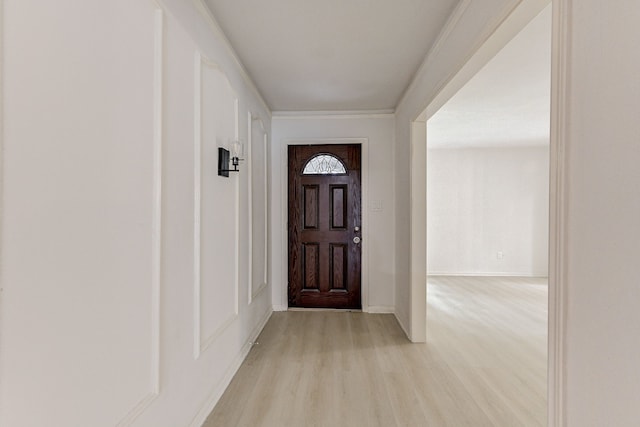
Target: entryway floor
pixel 484 364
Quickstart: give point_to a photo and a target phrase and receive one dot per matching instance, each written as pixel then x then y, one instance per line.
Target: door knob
pixel 356 240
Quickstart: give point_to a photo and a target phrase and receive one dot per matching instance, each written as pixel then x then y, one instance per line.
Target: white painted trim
pixel 516 18
pixel 284 250
pixel 381 309
pixel 197 201
pixel 206 13
pixel 253 293
pixel 156 223
pixel 447 29
pixel 206 343
pixel 481 274
pixel 138 410
pixel 265 145
pixel 418 233
pixel 157 198
pixel 236 106
pixel 402 326
pixel 249 167
pixel 2 101
pixel 2 144
pixel 560 95
pixel 355 114
pixel 201 345
pixel 258 119
pixel 259 290
pixel 280 308
pixel 218 390
pixel 507 24
pixel 236 298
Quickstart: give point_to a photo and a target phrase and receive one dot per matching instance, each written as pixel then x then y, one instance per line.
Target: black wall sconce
pixel 224 157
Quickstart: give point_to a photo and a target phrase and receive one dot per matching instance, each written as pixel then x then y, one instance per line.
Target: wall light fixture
pixel 224 158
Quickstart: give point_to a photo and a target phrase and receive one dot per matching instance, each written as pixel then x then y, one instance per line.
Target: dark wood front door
pixel 324 226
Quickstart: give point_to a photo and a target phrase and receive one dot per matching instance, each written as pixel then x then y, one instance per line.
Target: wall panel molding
pixel 202 344
pixel 156 222
pixel 197 199
pixel 265 278
pixel 262 136
pixel 250 204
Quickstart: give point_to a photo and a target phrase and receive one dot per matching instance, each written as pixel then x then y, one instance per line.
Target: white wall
pixel 601 205
pixel 481 201
pixel 378 214
pixel 106 320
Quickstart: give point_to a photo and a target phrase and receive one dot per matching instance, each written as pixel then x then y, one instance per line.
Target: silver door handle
pixel 356 240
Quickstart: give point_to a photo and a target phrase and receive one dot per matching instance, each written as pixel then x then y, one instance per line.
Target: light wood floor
pixel 484 364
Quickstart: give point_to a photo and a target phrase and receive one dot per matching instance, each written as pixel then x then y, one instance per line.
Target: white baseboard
pixel 380 309
pixel 405 329
pixel 376 309
pixel 216 394
pixel 484 274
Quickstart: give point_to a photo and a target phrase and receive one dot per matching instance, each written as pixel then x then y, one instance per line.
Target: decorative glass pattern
pixel 324 164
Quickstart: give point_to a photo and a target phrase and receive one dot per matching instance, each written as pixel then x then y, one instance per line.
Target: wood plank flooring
pixel 484 364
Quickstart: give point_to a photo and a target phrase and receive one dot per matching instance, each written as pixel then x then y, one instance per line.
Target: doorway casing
pixel 521 15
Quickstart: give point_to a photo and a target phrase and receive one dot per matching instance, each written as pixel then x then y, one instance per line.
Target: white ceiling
pixel 507 103
pixel 328 55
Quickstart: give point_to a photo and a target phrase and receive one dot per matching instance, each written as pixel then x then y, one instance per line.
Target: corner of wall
pixel 230 372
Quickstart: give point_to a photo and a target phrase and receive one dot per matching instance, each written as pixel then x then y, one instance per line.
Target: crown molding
pixel 207 14
pixel 352 114
pixel 449 26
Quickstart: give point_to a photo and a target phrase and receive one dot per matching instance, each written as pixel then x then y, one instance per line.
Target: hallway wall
pixel 125 288
pixel 600 132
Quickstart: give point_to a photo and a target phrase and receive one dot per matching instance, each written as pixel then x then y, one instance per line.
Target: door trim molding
pixel 557 317
pixel 418 232
pixel 254 292
pixel 364 188
pixel 558 186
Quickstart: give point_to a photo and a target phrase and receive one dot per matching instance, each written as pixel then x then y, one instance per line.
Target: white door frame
pixel 557 192
pixel 418 234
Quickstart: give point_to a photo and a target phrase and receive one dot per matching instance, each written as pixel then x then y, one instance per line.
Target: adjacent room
pixel 488 227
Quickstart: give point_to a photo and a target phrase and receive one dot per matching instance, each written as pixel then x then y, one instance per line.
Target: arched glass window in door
pixel 324 164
